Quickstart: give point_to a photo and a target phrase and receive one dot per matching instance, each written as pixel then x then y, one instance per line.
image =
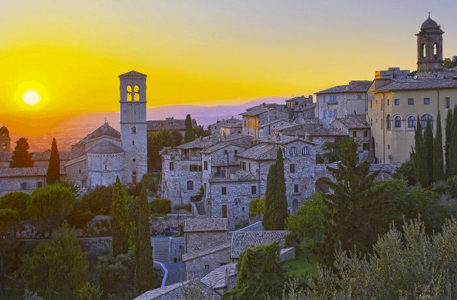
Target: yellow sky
pixel 201 51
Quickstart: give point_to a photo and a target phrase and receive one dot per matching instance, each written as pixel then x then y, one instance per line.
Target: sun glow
pixel 31 97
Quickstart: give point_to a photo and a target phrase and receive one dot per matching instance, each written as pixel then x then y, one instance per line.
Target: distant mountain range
pixel 70 130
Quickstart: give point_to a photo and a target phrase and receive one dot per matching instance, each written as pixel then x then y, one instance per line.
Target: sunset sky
pixel 201 51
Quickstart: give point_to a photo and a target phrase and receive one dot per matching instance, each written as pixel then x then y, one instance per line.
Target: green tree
pixel 199 131
pixel 56 269
pixel 98 200
pixel 116 274
pixel 49 206
pixel 406 173
pixel 438 167
pixel 333 150
pixel 156 142
pixel 453 145
pixel 16 201
pixel 419 157
pixel 449 63
pixel 447 144
pixel 354 205
pixel 53 174
pixel 21 156
pixel 275 197
pixel 257 207
pixel 189 136
pixel 120 219
pixel 9 218
pixel 308 222
pixel 259 274
pixel 145 267
pixel 428 146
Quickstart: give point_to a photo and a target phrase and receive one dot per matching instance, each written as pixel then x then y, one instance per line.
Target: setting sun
pixel 31 97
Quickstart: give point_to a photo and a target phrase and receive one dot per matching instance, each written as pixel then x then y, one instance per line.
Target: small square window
pixel 172 166
pixel 190 185
pixel 254 189
pixel 224 190
pixel 410 101
pixel 23 186
pixel 295 188
pixel 354 133
pixel 397 102
pixel 205 164
pixel 426 101
pixel 39 184
pixel 292 168
pixel 388 102
pixel 365 133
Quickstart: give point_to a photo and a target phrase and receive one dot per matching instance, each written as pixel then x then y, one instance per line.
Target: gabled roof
pixel 192 255
pixel 208 141
pixel 168 123
pixel 216 279
pixel 419 84
pixel 45 156
pixel 105 147
pixel 23 172
pixel 355 86
pixel 281 139
pixel 132 74
pixel 311 130
pixel 260 152
pixel 354 122
pixel 104 130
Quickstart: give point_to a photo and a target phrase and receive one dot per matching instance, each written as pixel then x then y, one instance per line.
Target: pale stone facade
pixel 22 179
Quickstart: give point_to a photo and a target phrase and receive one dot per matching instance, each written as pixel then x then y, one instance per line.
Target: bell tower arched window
pixel 423 50
pixel 128 91
pixel 136 93
pixel 435 49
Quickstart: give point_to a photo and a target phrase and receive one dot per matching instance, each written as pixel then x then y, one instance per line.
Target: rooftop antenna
pixel 429 15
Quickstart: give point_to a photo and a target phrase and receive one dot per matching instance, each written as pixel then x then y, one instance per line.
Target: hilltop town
pixel 208 179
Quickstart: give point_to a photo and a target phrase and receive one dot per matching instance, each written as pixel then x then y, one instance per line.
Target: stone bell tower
pixel 133 126
pixel 430 47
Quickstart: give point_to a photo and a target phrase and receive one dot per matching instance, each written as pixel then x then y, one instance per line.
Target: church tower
pixel 5 141
pixel 133 126
pixel 430 47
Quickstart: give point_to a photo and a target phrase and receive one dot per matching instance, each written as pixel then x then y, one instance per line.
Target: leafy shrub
pixel 98 200
pixel 80 215
pixel 16 201
pixel 160 206
pixel 257 207
pixel 115 275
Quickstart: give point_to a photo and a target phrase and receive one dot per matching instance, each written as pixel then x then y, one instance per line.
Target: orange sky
pixel 200 51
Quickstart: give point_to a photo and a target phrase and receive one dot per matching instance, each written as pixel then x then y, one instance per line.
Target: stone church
pixel 106 153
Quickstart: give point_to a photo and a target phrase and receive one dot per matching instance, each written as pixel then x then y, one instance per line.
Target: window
pixel 224 190
pixel 4 187
pixel 330 113
pixel 410 101
pixel 293 151
pixel 133 142
pixel 397 122
pixel 323 99
pixel 133 130
pixel 39 184
pixel 128 93
pixel 325 114
pixel 295 188
pixel 388 102
pixel 23 186
pixel 448 102
pixel 359 97
pixel 190 185
pixel 134 177
pixel 254 189
pixel 292 168
pixel 411 122
pixel 388 122
pixel 425 119
pixel 134 160
pixel 354 133
pixel 397 102
pixel 172 166
pixel 136 93
pixel 106 167
pixel 426 101
pixel 334 113
pixel 206 267
pixel 243 166
pixel 205 164
pixel 365 133
pixel 224 211
pixel 306 150
pixel 435 49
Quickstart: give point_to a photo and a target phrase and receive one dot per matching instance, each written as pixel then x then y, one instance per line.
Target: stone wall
pixel 202 265
pixel 199 241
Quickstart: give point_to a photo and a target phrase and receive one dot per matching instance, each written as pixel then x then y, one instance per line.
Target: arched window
pixel 397 122
pixel 133 130
pixel 128 92
pixel 426 118
pixel 435 49
pixel 422 50
pixel 412 122
pixel 388 122
pixel 136 93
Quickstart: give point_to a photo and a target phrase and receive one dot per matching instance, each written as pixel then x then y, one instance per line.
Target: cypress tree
pixel 275 197
pixel 438 171
pixel 428 147
pixel 448 140
pixel 420 165
pixel 53 174
pixel 145 277
pixel 119 219
pixel 190 134
pixel 453 145
pixel 21 156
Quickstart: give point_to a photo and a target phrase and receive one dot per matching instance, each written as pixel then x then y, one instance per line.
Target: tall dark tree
pixel 275 197
pixel 428 147
pixel 21 156
pixel 453 145
pixel 190 134
pixel 120 220
pixel 438 167
pixel 145 267
pixel 353 206
pixel 419 157
pixel 447 144
pixel 53 174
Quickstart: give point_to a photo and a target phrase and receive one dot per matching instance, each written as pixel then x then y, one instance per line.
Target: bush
pixel 98 200
pixel 16 201
pixel 49 206
pixel 80 215
pixel 116 275
pixel 160 206
pixel 257 207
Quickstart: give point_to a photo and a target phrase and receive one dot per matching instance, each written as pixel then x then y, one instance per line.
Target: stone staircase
pixel 161 249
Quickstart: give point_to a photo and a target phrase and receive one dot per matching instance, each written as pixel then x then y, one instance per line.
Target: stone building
pixel 255 117
pixel 171 124
pixel 229 126
pixel 396 105
pixel 342 100
pixel 5 140
pixel 302 107
pixel 22 179
pixel 105 153
pixel 356 127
